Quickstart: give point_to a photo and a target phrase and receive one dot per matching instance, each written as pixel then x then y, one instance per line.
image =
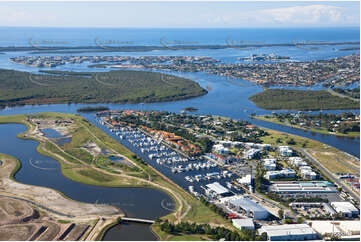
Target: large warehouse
pixel 289 232
pixel 347 209
pixel 243 204
pixel 302 187
pixel 217 189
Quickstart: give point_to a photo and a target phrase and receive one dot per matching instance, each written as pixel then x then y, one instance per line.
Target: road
pixel 332 92
pixel 331 176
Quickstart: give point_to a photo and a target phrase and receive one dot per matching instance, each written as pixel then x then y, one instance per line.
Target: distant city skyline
pixel 180 14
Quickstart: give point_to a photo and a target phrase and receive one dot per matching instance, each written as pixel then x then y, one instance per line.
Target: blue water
pixel 51 133
pixel 20 36
pixel 39 170
pixel 228 97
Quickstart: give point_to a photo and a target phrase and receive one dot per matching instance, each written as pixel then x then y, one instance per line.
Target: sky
pixel 180 14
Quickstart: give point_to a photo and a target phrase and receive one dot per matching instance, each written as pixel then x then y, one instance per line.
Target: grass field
pixel 321 131
pixel 336 161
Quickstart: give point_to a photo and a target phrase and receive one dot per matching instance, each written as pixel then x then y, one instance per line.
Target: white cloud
pixel 310 15
pixel 180 15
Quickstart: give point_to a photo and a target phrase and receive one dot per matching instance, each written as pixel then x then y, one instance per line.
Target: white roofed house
pixel 284 173
pixel 270 164
pixel 220 149
pixel 285 151
pixel 297 161
pixel 308 173
pixel 252 153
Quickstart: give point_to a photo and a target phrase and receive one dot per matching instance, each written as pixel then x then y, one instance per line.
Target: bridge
pixel 138 220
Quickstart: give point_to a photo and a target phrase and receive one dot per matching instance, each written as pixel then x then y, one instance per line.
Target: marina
pixel 191 173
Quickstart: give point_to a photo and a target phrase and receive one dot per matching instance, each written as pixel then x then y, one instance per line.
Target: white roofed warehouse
pixel 295 232
pixel 347 209
pixel 245 223
pixel 244 204
pixel 217 190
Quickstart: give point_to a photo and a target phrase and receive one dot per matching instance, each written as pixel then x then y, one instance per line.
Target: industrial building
pixel 245 223
pixel 347 209
pixel 325 206
pixel 289 232
pixel 216 189
pixel 302 187
pixel 244 204
pixel 342 229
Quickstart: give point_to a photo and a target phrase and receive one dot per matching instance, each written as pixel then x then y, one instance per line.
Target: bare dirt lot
pixel 14 211
pixel 18 231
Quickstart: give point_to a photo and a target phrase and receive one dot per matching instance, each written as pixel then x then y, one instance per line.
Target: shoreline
pixel 10 159
pixel 187 207
pixel 145 48
pixel 40 150
pixel 262 117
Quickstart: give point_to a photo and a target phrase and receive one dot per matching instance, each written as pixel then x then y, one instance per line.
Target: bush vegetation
pixel 124 86
pixel 283 99
pixel 215 233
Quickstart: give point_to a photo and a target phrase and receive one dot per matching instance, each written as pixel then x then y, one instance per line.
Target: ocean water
pixel 22 36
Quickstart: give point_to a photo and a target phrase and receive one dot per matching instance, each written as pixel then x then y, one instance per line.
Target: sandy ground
pixel 92 148
pixel 14 211
pixel 50 198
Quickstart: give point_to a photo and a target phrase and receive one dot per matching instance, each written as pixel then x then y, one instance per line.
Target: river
pixel 227 97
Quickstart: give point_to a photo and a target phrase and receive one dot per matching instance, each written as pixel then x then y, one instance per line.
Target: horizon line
pixel 210 27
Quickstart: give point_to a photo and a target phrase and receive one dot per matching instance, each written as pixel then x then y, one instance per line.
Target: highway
pixel 331 176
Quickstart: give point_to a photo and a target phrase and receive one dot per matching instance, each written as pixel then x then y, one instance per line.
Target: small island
pixel 190 109
pixel 90 109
